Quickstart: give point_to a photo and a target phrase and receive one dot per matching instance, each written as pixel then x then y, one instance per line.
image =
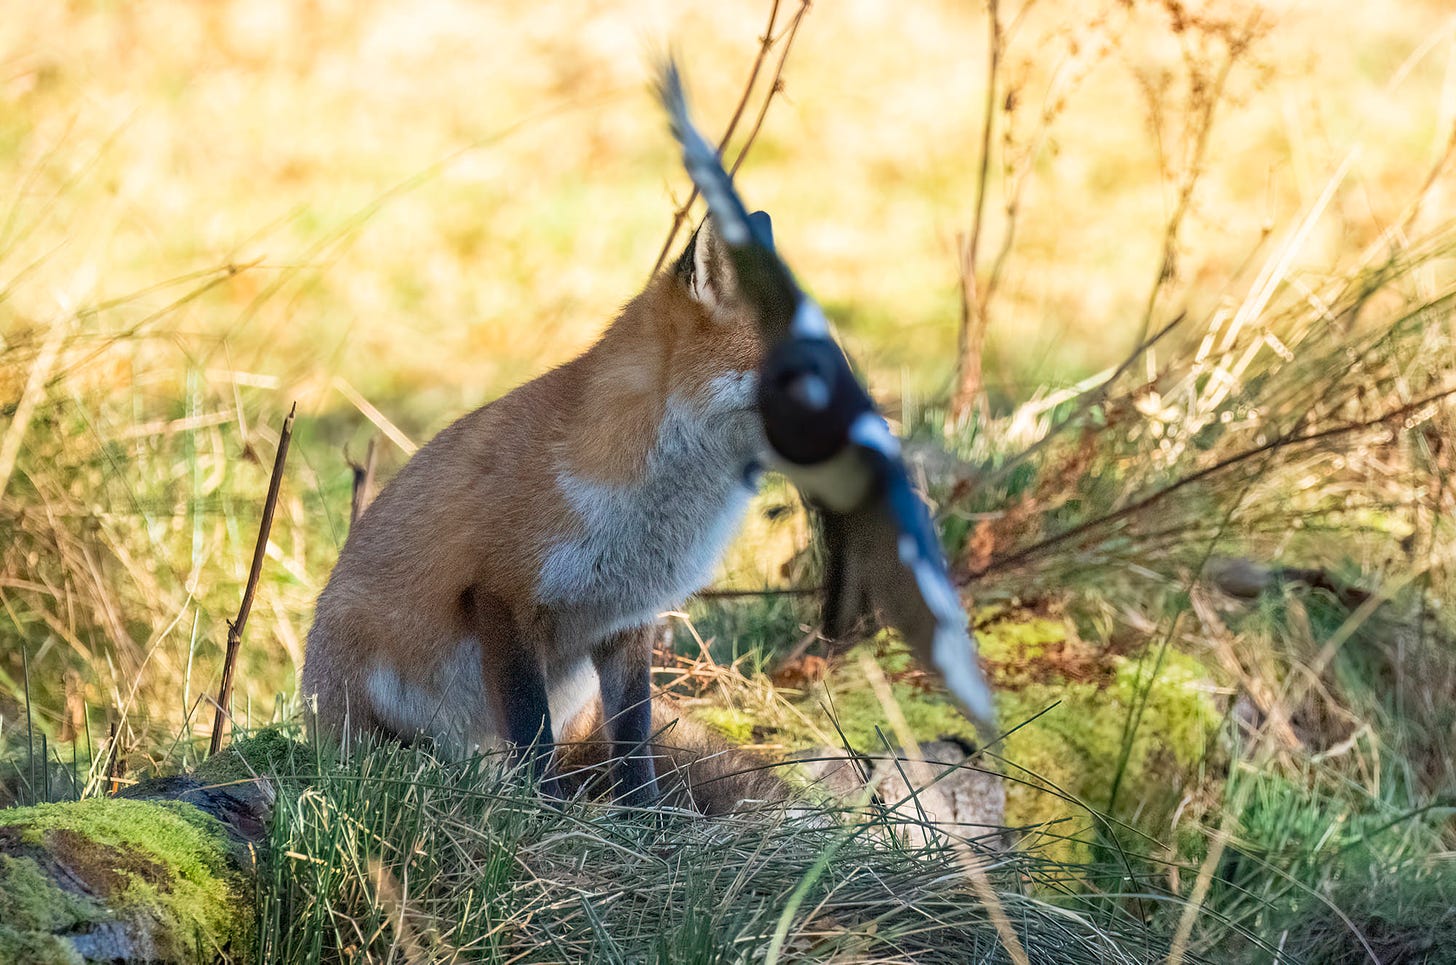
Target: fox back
pixel 513 569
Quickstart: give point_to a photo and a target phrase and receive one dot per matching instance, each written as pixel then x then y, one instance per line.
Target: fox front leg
pixel 516 686
pixel 624 665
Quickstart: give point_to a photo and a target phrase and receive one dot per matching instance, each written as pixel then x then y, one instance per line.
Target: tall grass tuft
pixel 389 854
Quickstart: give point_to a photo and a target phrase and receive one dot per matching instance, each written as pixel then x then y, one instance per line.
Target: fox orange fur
pixel 514 568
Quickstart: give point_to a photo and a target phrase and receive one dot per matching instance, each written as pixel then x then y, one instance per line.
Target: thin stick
pixel 968 391
pixel 235 627
pixel 29 722
pixel 112 784
pixel 766 43
pixel 776 86
pixel 363 483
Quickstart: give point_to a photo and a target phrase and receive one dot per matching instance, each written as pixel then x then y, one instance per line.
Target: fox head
pixel 678 369
pixel 721 325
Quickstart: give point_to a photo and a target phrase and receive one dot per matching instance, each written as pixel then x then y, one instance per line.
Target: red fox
pixel 516 564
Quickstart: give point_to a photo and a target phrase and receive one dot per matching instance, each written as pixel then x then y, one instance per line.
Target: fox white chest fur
pixel 647 544
pixel 514 567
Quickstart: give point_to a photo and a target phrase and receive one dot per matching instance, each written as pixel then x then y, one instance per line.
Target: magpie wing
pixel 763 277
pixel 906 579
pixel 884 552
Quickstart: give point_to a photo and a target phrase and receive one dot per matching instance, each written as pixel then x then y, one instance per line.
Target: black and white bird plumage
pixel 828 437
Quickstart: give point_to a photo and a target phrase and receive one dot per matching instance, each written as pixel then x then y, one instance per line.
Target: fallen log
pixel 160 873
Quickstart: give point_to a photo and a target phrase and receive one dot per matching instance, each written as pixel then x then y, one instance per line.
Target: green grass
pixel 393 855
pixel 218 209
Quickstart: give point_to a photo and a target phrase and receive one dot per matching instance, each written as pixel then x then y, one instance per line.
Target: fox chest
pixel 641 547
pixel 640 552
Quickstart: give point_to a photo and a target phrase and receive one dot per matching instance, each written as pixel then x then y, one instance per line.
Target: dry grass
pixel 393 214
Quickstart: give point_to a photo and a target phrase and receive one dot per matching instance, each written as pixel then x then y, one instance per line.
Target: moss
pixel 1070 750
pixel 160 868
pixel 35 948
pixel 733 724
pixel 29 899
pixel 265 753
pixel 1003 635
pixel 1075 748
pixel 860 717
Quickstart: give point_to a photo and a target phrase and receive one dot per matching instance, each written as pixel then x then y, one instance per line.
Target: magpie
pixel 827 436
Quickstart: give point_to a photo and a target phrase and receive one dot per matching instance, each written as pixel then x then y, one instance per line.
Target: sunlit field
pixel 390 214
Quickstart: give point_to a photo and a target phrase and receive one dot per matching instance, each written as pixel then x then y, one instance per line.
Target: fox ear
pixel 706 269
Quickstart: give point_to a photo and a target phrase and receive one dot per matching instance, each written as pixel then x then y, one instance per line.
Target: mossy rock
pixel 107 879
pixel 1068 706
pixel 1076 743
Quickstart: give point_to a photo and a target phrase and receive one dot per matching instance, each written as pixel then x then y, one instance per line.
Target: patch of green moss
pixel 861 718
pixel 35 948
pixel 264 753
pixel 733 724
pixel 162 866
pixel 1067 705
pixel 1002 637
pixel 1072 744
pixel 30 900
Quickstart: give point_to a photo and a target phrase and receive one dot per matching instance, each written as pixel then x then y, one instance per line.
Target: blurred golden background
pixel 518 181
pixel 394 212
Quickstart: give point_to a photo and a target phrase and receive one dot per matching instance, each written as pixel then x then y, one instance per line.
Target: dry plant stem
pixel 1137 506
pixel 972 340
pixel 35 388
pixel 775 87
pixel 1018 177
pixel 678 216
pixel 391 431
pixel 363 483
pixel 1191 177
pixel 766 43
pixel 112 783
pixel 973 863
pixel 235 627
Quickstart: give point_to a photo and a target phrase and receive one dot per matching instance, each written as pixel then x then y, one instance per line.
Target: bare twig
pixel 113 783
pixel 1192 175
pixel 235 627
pixel 363 483
pixel 766 43
pixel 775 87
pixel 972 339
